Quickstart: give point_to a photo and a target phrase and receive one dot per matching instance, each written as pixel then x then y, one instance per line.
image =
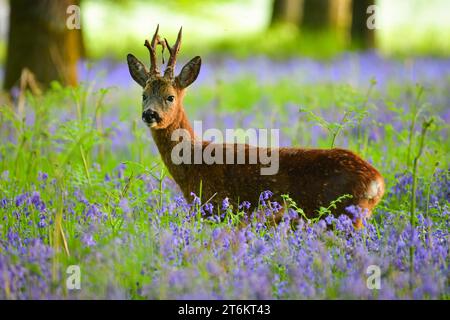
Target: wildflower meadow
pixel 84 192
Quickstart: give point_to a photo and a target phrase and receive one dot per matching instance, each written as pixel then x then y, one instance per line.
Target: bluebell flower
pixel 213 268
pixel 88 240
pixel 329 219
pixel 123 204
pixel 20 199
pixel 13 237
pixel 42 176
pixel 121 170
pixel 180 202
pixel 196 201
pixel 3 203
pixel 93 211
pixel 80 196
pixel 225 204
pixel 265 195
pixel 42 223
pixel 356 212
pixel 276 207
pixel 215 233
pixel 322 224
pixel 207 208
pixel 292 213
pixel 244 205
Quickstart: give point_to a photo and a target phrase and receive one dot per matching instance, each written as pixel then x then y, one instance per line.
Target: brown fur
pixel 312 177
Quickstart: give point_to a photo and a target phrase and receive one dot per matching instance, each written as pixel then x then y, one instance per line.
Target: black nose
pixel 150 116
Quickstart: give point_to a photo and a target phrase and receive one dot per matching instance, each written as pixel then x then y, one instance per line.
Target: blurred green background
pixel 276 28
pixel 244 28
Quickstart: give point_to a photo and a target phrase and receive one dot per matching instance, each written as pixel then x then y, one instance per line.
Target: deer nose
pixel 150 116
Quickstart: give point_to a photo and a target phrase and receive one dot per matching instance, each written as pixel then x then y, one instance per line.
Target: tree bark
pixel 316 15
pixel 361 36
pixel 79 34
pixel 40 41
pixel 286 11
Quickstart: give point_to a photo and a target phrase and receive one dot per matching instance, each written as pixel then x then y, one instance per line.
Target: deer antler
pixel 168 73
pixel 156 40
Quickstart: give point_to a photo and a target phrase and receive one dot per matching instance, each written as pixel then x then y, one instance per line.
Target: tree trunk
pixel 79 34
pixel 361 35
pixel 286 11
pixel 316 15
pixel 40 41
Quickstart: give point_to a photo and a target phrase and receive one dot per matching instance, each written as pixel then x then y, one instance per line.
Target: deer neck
pixel 165 144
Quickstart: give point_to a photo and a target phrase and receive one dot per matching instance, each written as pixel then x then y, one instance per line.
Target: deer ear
pixel 189 72
pixel 137 70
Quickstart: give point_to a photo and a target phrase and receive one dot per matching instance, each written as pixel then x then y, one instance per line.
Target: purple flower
pixel 180 202
pixel 196 201
pixel 260 247
pixel 213 268
pixel 329 219
pixel 276 207
pixel 244 205
pixel 356 212
pixel 42 176
pixel 13 237
pixel 322 224
pixel 37 202
pixel 121 170
pixel 3 203
pixel 123 204
pixel 80 196
pixel 265 195
pixel 20 199
pixel 292 213
pixel 88 240
pixel 343 223
pixel 216 233
pixel 207 209
pixel 403 185
pixel 93 212
pixel 42 222
pixel 225 204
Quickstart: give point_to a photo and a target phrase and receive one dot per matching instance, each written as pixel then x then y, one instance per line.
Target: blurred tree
pixel 40 41
pixel 316 15
pixel 362 36
pixel 286 11
pixel 312 15
pixel 345 19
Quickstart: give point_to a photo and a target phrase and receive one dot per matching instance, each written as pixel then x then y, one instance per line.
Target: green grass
pixel 2 52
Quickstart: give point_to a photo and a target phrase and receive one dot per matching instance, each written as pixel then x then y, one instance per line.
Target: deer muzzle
pixel 150 117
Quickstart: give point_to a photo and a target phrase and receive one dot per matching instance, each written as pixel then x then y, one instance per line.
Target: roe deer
pixel 312 177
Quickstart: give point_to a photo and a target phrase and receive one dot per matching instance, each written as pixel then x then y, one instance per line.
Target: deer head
pixel 162 94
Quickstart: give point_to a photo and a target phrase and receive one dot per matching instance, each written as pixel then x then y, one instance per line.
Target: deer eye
pixel 170 98
pixel 144 97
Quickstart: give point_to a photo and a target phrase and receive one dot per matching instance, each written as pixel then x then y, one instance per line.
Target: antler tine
pixel 173 55
pixel 152 50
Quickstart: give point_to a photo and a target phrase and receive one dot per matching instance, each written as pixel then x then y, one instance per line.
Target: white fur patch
pixel 373 189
